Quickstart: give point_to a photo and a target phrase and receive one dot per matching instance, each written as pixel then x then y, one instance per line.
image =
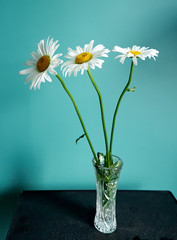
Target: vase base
pixel 104 227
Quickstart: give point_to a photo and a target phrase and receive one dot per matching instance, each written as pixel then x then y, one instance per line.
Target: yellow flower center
pixel 135 52
pixel 83 57
pixel 43 63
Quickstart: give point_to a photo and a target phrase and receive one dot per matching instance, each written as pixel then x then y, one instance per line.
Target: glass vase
pixel 106 189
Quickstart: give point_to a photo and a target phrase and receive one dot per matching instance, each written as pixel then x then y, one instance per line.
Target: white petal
pixel 79 49
pixel 57 56
pixel 85 66
pixel 75 72
pixel 143 49
pixel 69 56
pixel 53 50
pixel 134 59
pixel 38 81
pixel 134 48
pixel 122 59
pixel 67 63
pixel 98 48
pixel 82 71
pixel 41 47
pixel 52 71
pixel 98 63
pixel 31 76
pixel 141 56
pixel 119 49
pixel 91 64
pixel 56 62
pixel 30 62
pixel 100 54
pixel 71 52
pixel 118 56
pixel 86 48
pixel 47 77
pixel 35 56
pixel 26 71
pixel 33 82
pixel 66 72
pixel 129 54
pixel 90 46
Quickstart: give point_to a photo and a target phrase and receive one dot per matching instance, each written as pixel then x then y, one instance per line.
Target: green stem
pixel 78 114
pixel 118 103
pixel 107 163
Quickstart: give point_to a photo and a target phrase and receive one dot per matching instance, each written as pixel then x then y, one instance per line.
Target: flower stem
pixel 118 103
pixel 107 163
pixel 78 114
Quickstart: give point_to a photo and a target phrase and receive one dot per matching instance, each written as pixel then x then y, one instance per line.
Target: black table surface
pixel 69 215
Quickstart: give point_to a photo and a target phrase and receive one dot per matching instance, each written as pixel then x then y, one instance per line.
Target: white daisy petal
pixel 79 49
pixel 91 64
pixel 143 49
pixel 35 56
pixel 57 55
pixel 54 49
pixel 52 71
pixel 33 82
pixel 129 54
pixel 30 76
pixel 86 66
pixel 49 46
pixel 39 50
pixel 100 53
pixel 141 56
pixel 98 48
pixel 43 61
pixel 75 71
pixel 26 71
pixel 82 71
pixel 122 59
pixel 47 77
pixel 68 56
pixel 67 71
pixel 118 56
pixel 38 82
pixel 134 59
pixel 118 49
pixel 41 46
pixel 86 47
pixel 71 52
pixel 90 46
pixel 30 62
pixel 67 63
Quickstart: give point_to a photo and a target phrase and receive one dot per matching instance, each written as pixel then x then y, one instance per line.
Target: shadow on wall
pixel 21 167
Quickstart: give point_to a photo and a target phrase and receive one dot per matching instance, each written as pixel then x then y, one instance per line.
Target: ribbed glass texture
pixel 106 185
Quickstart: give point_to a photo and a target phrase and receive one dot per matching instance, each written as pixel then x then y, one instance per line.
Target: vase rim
pixel 108 168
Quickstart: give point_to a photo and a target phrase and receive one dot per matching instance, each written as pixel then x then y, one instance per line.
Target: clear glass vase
pixel 106 186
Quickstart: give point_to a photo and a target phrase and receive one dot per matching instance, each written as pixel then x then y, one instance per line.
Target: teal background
pixel 38 128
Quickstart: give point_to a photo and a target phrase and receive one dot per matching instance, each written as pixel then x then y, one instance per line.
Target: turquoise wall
pixel 38 128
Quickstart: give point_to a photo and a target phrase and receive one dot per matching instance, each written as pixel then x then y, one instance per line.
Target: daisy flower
pixel 134 53
pixel 83 58
pixel 43 61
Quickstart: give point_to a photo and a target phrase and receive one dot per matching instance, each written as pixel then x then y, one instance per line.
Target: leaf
pixel 80 137
pixel 100 157
pixel 131 89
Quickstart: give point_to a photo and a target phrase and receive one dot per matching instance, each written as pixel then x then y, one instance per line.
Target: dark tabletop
pixel 69 215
